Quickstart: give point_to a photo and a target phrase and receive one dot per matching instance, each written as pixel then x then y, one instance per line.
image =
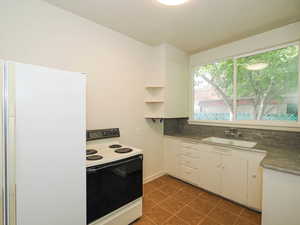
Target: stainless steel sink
pixel 238 143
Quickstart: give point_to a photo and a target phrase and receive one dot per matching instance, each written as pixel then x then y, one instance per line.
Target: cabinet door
pixel 188 174
pixel 234 178
pixel 255 182
pixel 210 171
pixel 171 151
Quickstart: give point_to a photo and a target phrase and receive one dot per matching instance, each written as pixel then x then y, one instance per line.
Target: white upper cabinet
pixel 166 93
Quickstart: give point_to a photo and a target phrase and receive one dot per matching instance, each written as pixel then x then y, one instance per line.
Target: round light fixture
pixel 257 66
pixel 172 2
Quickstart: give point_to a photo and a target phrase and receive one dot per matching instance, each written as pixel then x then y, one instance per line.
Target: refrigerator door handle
pixel 9 197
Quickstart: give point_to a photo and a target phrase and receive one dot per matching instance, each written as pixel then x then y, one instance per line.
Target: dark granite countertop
pixel 283 159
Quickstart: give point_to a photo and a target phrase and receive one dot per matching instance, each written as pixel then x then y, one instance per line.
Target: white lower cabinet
pixel 188 174
pixel 234 178
pixel 223 172
pixel 232 173
pixel 255 175
pixel 210 174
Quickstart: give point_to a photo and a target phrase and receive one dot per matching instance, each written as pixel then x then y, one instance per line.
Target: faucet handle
pixel 227 132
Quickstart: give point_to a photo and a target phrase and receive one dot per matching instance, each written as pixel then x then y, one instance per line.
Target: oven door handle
pixel 91 170
pixel 95 170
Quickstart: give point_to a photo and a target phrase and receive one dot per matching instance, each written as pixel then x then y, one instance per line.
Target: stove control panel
pixel 102 133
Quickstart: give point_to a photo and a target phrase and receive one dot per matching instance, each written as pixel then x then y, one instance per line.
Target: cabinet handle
pixel 254 176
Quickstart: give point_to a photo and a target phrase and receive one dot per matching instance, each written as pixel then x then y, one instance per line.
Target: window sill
pixel 284 126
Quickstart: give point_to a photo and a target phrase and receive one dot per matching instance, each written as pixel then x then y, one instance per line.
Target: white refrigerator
pixel 43 176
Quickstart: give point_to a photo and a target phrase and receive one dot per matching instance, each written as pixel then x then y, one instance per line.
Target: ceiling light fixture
pixel 172 2
pixel 257 66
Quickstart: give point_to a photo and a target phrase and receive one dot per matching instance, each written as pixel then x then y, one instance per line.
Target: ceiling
pixel 192 27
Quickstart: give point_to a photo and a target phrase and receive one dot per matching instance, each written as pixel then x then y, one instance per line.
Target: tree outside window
pixel 266 87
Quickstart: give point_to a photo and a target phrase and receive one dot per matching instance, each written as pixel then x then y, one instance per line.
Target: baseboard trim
pixel 154 176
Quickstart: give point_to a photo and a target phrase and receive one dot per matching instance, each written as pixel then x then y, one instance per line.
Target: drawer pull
pixel 254 176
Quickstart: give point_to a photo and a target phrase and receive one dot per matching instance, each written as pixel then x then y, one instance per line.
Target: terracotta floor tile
pixel 166 178
pixel 143 221
pixel 175 221
pixel 190 216
pixel 213 199
pixel 201 205
pixel 148 187
pixel 158 215
pixel 158 182
pixel 168 189
pixel 192 189
pixel 252 216
pixel 177 183
pixel 230 206
pixel 148 204
pixel 223 217
pixel 209 221
pixel 172 205
pixel 184 197
pixel 242 221
pixel 157 196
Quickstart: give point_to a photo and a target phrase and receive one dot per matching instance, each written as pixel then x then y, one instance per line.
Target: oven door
pixel 113 185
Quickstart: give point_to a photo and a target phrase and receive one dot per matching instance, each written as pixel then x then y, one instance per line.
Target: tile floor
pixel 169 201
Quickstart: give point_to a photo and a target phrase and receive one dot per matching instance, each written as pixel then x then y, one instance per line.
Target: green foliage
pixel 221 74
pixel 273 82
pixel 281 73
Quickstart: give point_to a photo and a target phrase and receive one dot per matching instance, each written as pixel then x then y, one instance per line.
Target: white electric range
pixel 108 150
pixel 114 179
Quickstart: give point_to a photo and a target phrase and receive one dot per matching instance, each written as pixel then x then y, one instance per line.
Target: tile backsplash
pixel 274 138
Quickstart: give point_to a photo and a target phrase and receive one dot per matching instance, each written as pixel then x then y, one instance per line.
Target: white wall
pixel 35 32
pixel 264 40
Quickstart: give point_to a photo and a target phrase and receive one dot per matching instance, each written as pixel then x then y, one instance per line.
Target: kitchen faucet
pixel 232 132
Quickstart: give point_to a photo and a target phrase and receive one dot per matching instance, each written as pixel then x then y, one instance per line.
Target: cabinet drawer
pixel 188 161
pixel 189 174
pixel 190 152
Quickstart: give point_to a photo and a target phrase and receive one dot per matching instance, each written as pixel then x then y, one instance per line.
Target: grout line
pixel 239 216
pixel 207 215
pixel 175 214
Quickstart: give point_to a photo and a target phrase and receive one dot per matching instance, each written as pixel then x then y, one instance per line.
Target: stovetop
pixel 98 153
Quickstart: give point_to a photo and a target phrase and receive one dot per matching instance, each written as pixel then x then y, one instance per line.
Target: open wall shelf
pixel 154 86
pixel 154 101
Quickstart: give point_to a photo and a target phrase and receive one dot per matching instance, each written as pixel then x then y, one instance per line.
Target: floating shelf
pixel 154 86
pixel 154 117
pixel 154 101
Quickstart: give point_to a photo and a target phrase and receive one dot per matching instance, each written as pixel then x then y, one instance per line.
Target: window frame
pixel 270 125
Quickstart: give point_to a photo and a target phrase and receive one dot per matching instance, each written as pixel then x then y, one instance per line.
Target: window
pixel 256 87
pixel 213 90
